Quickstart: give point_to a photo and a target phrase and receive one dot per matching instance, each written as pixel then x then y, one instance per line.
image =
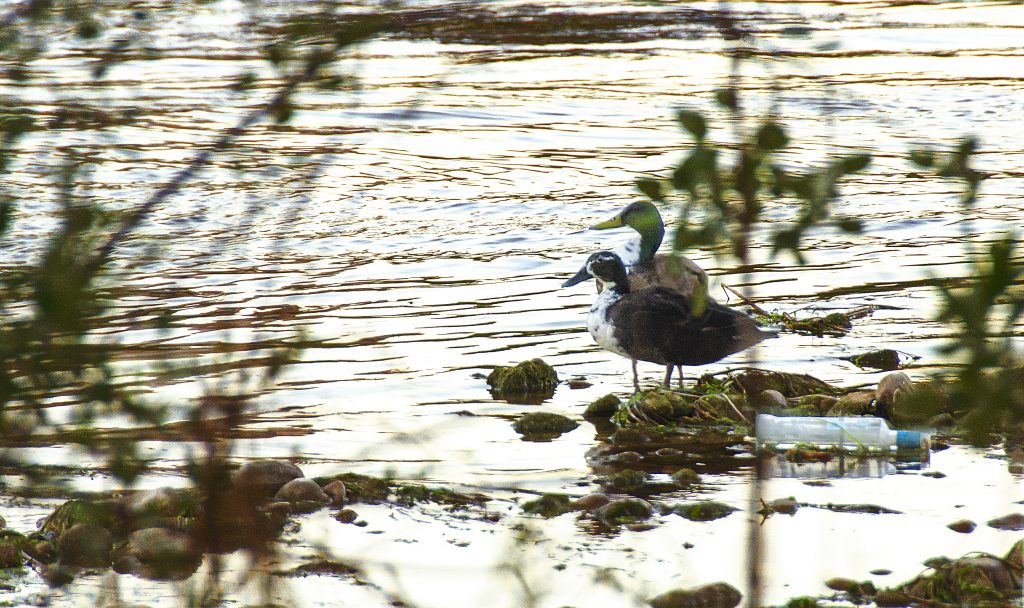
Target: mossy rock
pixel 885 359
pixel 361 488
pixel 626 481
pixel 549 505
pixel 720 407
pixel 685 478
pixel 857 403
pixel 712 595
pixel 11 546
pixel 653 407
pixel 816 405
pixel 706 510
pixel 921 403
pixel 529 381
pixel 625 510
pixel 407 494
pixel 754 381
pixel 75 512
pixel 602 408
pixel 804 601
pixel 543 425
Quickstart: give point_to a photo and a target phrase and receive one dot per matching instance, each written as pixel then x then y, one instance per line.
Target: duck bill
pixel 615 222
pixel 579 277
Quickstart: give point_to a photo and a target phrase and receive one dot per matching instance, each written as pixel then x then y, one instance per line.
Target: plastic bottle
pixel 855 432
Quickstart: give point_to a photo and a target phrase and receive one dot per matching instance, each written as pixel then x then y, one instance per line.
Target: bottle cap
pixel 909 440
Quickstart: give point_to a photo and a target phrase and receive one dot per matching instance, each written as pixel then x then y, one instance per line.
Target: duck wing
pixel 659 325
pixel 678 274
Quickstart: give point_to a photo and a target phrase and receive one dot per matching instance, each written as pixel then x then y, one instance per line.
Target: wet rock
pixel 263 478
pixel 707 510
pixel 73 512
pixel 625 510
pixel 591 502
pixel 889 390
pixel 58 574
pixel 653 407
pixel 627 436
pixel 625 481
pixel 769 400
pixel 816 405
pixel 885 359
pixel 3 523
pixel 786 506
pixel 127 564
pixel 933 474
pixel 713 595
pixel 685 478
pixel 549 505
pixel 579 382
pixel 164 552
pixel 717 407
pixel 923 401
pixel 803 601
pixel 336 490
pixel 86 545
pixel 346 516
pixel 527 382
pixel 754 381
pixel 640 527
pixel 10 556
pixel 151 508
pixel 887 598
pixel 625 458
pixel 42 551
pixel 541 426
pixel 857 403
pixel 963 526
pixel 1013 521
pixel 668 456
pixel 361 488
pixel 846 585
pixel 1015 556
pixel 602 408
pixel 881 571
pixel 305 495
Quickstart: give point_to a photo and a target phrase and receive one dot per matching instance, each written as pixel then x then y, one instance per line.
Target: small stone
pixel 58 575
pixel 713 595
pixel 302 491
pixel 626 480
pixel 885 359
pixel 336 490
pixel 881 571
pixel 856 403
pixel 818 483
pixel 603 407
pixel 707 510
pixel 543 425
pixel 933 474
pixel 625 510
pixel 362 523
pixel 265 477
pixel 889 390
pixel 786 506
pixel 627 457
pixel 628 436
pixel 549 505
pixel 127 564
pixel 669 456
pixel 162 547
pixel 770 399
pixel 524 381
pixel 579 382
pixel 86 545
pixel 845 585
pixel 346 516
pixel 640 527
pixel 1013 521
pixel 685 477
pixel 591 501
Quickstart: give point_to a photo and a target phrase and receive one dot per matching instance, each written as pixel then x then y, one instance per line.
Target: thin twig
pixel 745 300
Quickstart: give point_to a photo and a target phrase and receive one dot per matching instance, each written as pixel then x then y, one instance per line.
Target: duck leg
pixel 680 368
pixel 668 376
pixel 636 384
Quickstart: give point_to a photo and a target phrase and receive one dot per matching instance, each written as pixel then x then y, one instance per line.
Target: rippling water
pixel 416 227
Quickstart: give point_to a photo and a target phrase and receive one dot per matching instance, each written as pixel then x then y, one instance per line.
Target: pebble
pixel 346 516
pixel 963 526
pixel 338 493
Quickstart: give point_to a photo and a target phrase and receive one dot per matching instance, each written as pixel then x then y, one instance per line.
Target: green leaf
pixel 651 188
pixel 694 123
pixel 772 136
pixel 727 98
pixel 922 158
pixel 854 163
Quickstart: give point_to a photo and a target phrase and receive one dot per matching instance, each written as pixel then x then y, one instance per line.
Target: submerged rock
pixel 625 510
pixel 1013 521
pixel 885 359
pixel 603 407
pixel 707 510
pixel 625 481
pixel 713 595
pixel 346 516
pixel 263 478
pixel 88 545
pixel 685 478
pixel 304 494
pixel 857 403
pixel 653 407
pixel 549 505
pixel 591 501
pixel 527 382
pixel 963 526
pixel 161 552
pixel 543 425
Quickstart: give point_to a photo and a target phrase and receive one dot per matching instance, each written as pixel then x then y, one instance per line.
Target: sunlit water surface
pixel 416 229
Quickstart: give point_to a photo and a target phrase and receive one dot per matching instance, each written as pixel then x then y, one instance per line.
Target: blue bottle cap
pixel 908 440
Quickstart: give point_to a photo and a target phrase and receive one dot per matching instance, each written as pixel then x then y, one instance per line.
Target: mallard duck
pixel 661 325
pixel 644 268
